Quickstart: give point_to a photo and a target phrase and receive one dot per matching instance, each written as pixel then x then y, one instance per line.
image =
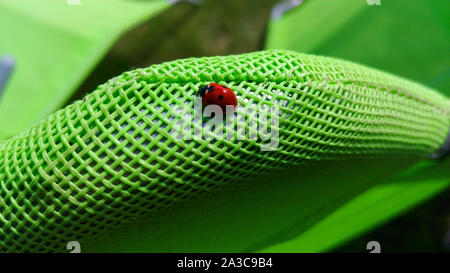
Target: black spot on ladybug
pixel 220 97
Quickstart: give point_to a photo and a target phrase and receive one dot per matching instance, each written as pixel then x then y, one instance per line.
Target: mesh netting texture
pixel 101 161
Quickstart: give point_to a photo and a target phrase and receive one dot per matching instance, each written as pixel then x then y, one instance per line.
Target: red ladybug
pixel 220 95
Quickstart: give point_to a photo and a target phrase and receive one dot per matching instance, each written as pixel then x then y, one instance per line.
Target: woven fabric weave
pixel 101 161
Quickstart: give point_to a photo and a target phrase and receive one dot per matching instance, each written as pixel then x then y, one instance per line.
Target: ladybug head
pixel 207 88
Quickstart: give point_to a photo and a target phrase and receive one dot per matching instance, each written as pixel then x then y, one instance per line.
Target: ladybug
pixel 217 94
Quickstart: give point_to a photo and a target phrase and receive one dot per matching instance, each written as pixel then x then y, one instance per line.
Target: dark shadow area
pixel 425 170
pixel 426 228
pixel 185 30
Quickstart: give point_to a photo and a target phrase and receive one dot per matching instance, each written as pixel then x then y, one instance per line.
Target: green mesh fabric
pixel 100 162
